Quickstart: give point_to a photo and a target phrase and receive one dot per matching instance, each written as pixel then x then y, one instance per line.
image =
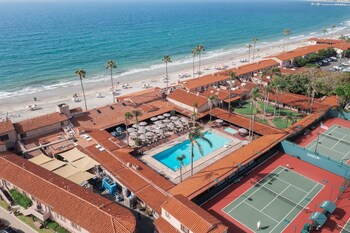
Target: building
pixel 8 135
pixel 71 206
pixel 188 100
pixel 315 41
pixel 40 125
pixel 181 215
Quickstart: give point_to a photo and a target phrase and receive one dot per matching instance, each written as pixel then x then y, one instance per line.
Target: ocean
pixel 42 44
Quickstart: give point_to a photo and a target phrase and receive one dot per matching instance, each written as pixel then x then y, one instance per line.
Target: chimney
pixel 64 109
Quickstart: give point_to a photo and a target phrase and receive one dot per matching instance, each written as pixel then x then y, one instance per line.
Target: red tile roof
pixel 6 126
pixel 302 51
pixel 187 98
pixel 39 122
pixel 81 206
pixel 192 216
pixel 163 226
pixel 342 46
pixel 325 41
pixel 140 97
pixel 221 94
pixel 224 167
pixel 244 122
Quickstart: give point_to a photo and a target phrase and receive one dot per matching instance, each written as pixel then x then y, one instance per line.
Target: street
pixel 18 225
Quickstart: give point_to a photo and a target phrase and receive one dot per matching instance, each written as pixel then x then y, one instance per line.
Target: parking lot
pixel 340 65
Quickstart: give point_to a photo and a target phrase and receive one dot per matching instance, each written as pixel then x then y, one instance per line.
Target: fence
pixel 319 160
pixel 339 114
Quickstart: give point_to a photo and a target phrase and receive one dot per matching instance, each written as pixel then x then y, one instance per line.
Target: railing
pixel 39 213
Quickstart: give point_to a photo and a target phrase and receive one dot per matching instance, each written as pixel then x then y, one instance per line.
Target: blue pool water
pixel 168 157
pixel 230 130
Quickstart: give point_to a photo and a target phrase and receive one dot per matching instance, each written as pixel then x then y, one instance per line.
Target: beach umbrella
pixel 160 117
pixel 219 121
pixel 166 114
pixel 135 125
pixel 166 121
pixel 130 130
pixel 154 119
pixel 143 123
pixel 174 118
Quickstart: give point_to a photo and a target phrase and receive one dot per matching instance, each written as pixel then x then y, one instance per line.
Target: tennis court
pixel 346 228
pixel 334 142
pixel 274 200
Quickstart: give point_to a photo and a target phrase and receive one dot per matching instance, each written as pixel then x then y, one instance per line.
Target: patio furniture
pixel 166 114
pixel 143 123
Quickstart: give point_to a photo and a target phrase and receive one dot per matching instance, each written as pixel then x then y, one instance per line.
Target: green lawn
pixel 281 123
pixel 3 204
pixel 283 111
pixel 29 221
pixel 262 120
pixel 244 110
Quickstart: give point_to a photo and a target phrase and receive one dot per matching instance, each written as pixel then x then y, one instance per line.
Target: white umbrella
pixel 219 120
pixel 149 134
pixel 133 134
pixel 243 130
pixel 154 118
pixel 160 131
pixel 183 119
pixel 130 130
pixel 174 118
pixel 142 137
pixel 141 131
pixel 166 121
pixel 160 117
pixel 166 115
pixel 143 123
pixel 148 128
pixel 161 125
pixel 135 125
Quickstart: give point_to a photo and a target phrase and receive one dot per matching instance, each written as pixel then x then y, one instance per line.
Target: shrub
pixel 20 199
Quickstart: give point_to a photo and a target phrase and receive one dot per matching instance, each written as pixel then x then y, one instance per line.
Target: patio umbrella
pixel 160 131
pixel 135 125
pixel 141 131
pixel 142 137
pixel 166 114
pixel 148 128
pixel 143 123
pixel 160 117
pixel 219 121
pixel 183 119
pixel 154 119
pixel 130 130
pixel 161 125
pixel 166 121
pixel 174 118
pixel 149 134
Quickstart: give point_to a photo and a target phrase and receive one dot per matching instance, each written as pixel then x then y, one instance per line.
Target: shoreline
pixel 47 101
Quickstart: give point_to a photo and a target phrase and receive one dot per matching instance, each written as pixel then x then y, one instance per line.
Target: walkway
pixel 17 224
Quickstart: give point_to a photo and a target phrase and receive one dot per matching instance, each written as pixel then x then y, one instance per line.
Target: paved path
pixel 17 224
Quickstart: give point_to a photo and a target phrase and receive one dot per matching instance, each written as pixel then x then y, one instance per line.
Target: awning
pixel 72 155
pixel 328 205
pixel 318 217
pixel 67 171
pixel 53 165
pixel 81 177
pixel 40 159
pixel 85 164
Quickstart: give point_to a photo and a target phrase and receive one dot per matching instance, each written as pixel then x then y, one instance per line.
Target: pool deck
pixel 201 163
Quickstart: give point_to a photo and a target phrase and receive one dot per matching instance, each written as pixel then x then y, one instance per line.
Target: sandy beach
pixel 15 107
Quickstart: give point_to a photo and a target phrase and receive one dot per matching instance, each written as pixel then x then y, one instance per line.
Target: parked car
pixel 8 230
pixel 333 58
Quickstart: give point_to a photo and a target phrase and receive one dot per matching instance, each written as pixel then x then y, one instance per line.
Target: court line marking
pixel 251 193
pixel 339 140
pixel 343 227
pixel 291 185
pixel 320 145
pixel 294 208
pixel 278 195
pixel 307 203
pixel 259 211
pixel 320 135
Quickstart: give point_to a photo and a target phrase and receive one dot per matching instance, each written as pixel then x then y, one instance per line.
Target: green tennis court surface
pixel 335 143
pixel 275 200
pixel 346 228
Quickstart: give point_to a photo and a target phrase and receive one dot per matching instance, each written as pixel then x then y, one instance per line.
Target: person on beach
pixel 35 99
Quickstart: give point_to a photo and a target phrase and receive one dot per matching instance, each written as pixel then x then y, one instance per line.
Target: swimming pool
pixel 230 130
pixel 168 156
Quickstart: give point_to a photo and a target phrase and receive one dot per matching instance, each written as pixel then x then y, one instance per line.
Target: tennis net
pixel 335 138
pixel 285 199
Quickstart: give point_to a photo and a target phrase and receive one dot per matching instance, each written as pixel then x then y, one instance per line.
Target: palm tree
pixel 81 74
pixel 249 46
pixel 230 83
pixel 268 90
pixel 194 114
pixel 324 31
pixel 194 53
pixel 211 101
pixel 255 41
pixel 181 158
pixel 333 27
pixel 200 48
pixel 166 59
pixel 110 66
pixel 194 134
pixel 254 94
pixel 127 117
pixel 136 114
pixel 286 33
